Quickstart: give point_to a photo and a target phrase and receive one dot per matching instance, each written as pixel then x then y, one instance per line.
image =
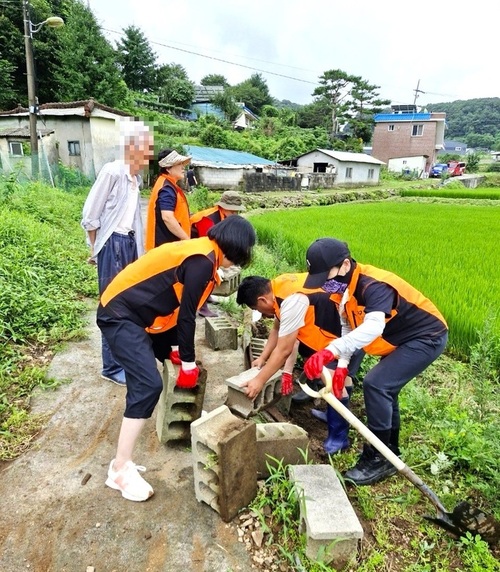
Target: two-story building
pixel 406 137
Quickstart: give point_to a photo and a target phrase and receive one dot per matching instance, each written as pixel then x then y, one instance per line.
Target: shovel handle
pixel 381 447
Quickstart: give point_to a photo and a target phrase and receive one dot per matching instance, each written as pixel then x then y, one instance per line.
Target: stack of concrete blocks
pixel 221 334
pixel 178 407
pixel 224 461
pixel 230 282
pixel 277 443
pixel 237 400
pixel 326 515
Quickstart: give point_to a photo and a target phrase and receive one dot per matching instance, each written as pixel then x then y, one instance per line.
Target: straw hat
pixel 174 158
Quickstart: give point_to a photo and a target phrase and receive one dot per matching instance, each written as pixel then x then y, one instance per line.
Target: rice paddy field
pixel 449 251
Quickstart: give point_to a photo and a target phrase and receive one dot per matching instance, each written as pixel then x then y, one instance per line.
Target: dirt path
pixel 57 514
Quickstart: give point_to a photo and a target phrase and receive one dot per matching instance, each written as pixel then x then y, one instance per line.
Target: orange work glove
pixel 338 381
pixel 175 358
pixel 187 378
pixel 314 365
pixel 286 383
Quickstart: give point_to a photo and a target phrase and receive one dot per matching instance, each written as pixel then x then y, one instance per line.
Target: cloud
pixel 392 44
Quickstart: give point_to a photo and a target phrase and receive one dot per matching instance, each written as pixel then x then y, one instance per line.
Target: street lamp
pixel 29 30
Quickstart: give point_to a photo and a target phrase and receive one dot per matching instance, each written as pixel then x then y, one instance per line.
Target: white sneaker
pixel 127 480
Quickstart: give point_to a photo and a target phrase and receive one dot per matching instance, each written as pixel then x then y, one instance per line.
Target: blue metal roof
pixel 402 117
pixel 224 156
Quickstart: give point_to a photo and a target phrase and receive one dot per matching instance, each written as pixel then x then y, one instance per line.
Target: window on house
pixel 16 149
pixel 371 173
pixel 417 130
pixel 74 148
pixel 390 128
pixel 348 173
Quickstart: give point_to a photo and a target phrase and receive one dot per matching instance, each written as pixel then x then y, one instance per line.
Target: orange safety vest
pixel 413 315
pixel 322 320
pixel 154 219
pixel 136 291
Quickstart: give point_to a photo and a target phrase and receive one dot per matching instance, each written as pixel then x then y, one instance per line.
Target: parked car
pixel 456 168
pixel 438 170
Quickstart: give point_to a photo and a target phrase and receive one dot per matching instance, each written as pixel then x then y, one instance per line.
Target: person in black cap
pixel 387 317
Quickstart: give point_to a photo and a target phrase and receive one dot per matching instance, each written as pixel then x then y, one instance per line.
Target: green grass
pixel 454 193
pixel 448 251
pixel 44 280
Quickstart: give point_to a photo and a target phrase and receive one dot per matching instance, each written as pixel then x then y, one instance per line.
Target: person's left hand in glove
pixel 338 381
pixel 188 375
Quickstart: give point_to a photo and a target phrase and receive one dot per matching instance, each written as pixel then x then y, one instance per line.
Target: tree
pixel 136 60
pixel 253 92
pixel 315 114
pixel 214 79
pixel 86 66
pixel 174 86
pixel 7 92
pixel 225 102
pixel 335 88
pixel 365 103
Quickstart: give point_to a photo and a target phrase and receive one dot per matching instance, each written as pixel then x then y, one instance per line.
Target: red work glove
pixel 187 378
pixel 338 381
pixel 314 365
pixel 286 383
pixel 175 358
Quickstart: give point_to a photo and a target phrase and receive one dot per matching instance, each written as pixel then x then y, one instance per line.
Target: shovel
pixel 464 518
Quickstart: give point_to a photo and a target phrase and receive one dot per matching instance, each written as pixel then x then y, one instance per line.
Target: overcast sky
pixel 451 50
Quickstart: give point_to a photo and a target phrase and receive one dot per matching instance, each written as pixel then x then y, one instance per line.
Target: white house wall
pixel 104 137
pixel 360 171
pixel 400 164
pixel 224 179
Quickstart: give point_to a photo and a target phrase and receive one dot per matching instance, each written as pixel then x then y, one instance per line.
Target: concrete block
pixel 224 461
pixel 326 514
pixel 220 334
pixel 230 282
pixel 237 400
pixel 281 441
pixel 177 407
pixel 252 347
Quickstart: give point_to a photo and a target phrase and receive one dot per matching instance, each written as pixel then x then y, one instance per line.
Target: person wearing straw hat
pixel 230 203
pixel 168 208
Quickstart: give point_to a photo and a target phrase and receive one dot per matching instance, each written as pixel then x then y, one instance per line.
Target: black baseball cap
pixel 321 257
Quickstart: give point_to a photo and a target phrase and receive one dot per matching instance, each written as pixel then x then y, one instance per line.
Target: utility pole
pixel 417 92
pixel 32 100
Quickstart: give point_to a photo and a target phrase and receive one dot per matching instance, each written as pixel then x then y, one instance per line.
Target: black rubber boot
pixel 394 441
pixel 338 430
pixel 372 466
pixel 321 415
pixel 301 396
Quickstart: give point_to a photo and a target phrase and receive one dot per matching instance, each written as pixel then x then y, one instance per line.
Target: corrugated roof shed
pixel 352 157
pixel 209 156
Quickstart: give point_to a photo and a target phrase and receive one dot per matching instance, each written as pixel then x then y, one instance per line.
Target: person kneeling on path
pixel 229 204
pixel 307 316
pixel 387 317
pixel 151 306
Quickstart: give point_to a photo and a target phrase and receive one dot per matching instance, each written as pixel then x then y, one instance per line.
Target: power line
pixel 220 60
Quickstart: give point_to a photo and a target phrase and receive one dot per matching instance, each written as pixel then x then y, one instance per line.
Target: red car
pixel 456 168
